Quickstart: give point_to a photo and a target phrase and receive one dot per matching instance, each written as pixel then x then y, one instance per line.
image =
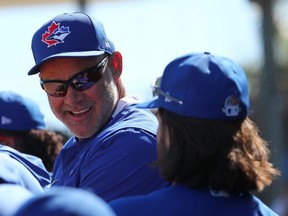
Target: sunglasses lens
pixel 80 82
pixel 55 89
pixel 85 80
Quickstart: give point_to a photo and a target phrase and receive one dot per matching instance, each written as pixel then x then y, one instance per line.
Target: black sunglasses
pixel 156 91
pixel 81 81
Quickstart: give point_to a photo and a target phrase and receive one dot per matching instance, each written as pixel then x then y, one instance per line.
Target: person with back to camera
pixel 22 127
pixel 208 147
pixel 113 142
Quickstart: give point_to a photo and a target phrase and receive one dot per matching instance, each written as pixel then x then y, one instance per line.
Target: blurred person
pixel 62 201
pixel 12 197
pixel 208 147
pixel 22 127
pixel 113 142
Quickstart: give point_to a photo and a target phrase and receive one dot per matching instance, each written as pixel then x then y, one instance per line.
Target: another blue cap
pixel 18 113
pixel 69 35
pixel 64 201
pixel 203 85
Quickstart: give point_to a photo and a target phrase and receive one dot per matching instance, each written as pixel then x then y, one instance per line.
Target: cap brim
pixel 149 104
pixel 36 68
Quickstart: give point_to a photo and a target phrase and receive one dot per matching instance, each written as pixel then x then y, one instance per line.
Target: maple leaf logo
pixel 55 34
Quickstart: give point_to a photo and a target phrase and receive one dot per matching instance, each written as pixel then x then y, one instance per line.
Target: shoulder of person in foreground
pixel 64 201
pixel 13 172
pixel 12 197
pixel 30 164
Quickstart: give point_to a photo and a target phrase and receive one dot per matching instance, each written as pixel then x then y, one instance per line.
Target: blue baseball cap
pixel 69 35
pixel 203 85
pixel 18 113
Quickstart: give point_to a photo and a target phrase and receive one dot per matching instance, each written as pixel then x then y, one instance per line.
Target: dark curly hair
pixel 216 154
pixel 44 144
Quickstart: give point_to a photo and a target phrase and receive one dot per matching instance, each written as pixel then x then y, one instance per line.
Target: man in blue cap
pixel 207 145
pixel 114 143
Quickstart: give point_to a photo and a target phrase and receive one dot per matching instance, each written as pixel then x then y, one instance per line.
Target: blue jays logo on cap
pixel 69 35
pixel 55 34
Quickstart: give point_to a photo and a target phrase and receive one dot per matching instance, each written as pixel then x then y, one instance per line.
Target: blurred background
pixel 150 33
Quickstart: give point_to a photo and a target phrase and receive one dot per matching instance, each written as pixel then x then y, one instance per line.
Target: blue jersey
pixel 180 200
pixel 22 169
pixel 115 162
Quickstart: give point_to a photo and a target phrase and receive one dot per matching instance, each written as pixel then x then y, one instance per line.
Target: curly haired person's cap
pixel 203 85
pixel 69 35
pixel 19 113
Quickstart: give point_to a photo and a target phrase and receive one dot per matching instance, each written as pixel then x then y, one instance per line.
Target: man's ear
pixel 116 63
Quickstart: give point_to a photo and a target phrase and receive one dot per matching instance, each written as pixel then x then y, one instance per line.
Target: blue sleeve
pixel 32 163
pixel 13 172
pixel 122 166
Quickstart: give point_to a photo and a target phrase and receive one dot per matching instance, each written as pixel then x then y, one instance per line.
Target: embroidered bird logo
pixel 55 34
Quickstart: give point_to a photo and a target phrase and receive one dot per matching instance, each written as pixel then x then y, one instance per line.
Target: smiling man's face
pixel 83 112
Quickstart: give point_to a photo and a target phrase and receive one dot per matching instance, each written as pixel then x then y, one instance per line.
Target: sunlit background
pixel 150 33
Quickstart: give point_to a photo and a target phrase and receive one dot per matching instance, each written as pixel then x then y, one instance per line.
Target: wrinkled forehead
pixel 58 68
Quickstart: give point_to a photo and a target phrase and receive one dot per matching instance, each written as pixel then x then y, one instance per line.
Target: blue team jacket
pixel 22 169
pixel 115 162
pixel 180 200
